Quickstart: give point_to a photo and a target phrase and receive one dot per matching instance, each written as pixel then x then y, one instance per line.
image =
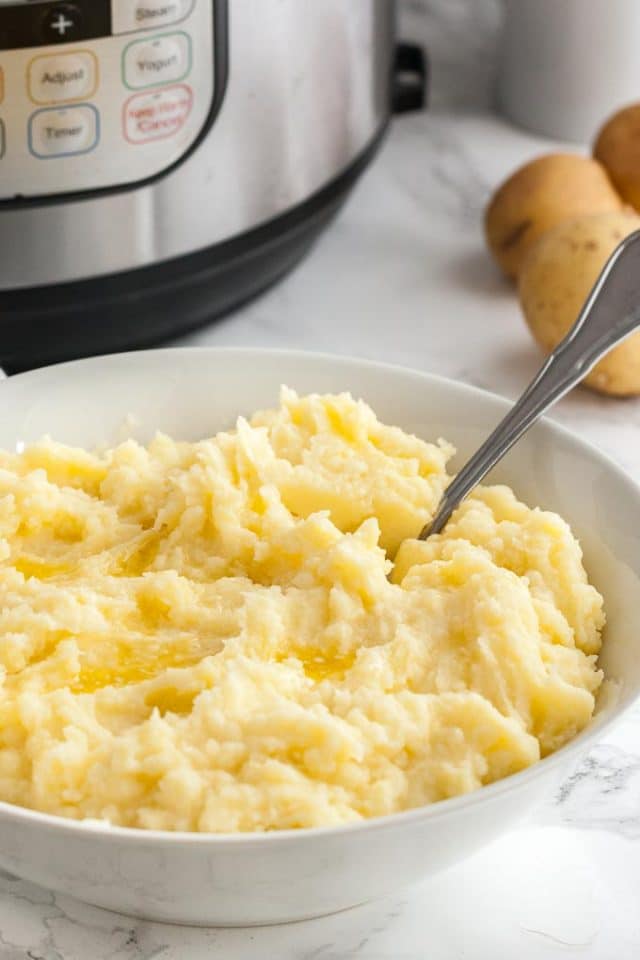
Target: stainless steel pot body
pixel 301 89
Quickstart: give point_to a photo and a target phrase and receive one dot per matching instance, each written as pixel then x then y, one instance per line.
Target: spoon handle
pixel 610 314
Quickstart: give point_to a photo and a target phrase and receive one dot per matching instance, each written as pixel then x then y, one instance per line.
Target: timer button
pixel 130 15
pixel 68 76
pixel 152 63
pixel 62 23
pixel 63 133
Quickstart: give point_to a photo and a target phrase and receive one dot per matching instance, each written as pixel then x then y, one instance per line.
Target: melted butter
pixel 257 504
pixel 154 611
pixel 69 529
pixel 40 569
pixel 133 666
pixel 82 472
pixel 320 665
pixel 60 526
pixel 171 700
pixel 338 425
pixel 41 655
pixel 134 562
pixel 54 637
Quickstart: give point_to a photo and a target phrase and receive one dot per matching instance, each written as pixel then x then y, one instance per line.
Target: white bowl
pixel 250 879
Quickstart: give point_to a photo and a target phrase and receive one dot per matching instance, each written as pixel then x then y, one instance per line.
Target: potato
pixel 556 279
pixel 539 196
pixel 617 147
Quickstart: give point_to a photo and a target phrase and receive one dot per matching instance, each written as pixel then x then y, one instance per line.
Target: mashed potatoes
pixel 232 635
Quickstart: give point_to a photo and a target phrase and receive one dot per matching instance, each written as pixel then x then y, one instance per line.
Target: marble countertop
pixel 402 275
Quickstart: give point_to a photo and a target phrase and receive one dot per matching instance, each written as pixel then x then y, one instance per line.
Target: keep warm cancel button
pixel 154 116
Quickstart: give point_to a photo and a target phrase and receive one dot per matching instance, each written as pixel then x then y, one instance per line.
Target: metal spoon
pixel 610 315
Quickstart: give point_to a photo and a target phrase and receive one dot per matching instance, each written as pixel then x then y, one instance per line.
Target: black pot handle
pixel 410 78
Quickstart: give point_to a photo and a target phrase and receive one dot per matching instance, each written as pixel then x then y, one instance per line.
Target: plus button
pixel 62 22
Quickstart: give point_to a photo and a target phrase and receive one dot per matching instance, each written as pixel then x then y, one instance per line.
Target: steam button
pixel 131 15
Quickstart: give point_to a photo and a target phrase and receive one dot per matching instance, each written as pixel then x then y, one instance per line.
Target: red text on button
pixel 153 116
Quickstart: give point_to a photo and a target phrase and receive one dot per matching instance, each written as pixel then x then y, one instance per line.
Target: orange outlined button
pixel 63 77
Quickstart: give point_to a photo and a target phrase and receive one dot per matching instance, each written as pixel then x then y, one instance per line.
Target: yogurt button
pixel 71 76
pixel 148 14
pixel 150 63
pixel 62 133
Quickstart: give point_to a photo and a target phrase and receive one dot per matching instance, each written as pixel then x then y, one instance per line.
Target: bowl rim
pixel 105 831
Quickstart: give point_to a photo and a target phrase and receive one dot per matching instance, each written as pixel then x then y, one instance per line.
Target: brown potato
pixel 556 279
pixel 617 147
pixel 540 195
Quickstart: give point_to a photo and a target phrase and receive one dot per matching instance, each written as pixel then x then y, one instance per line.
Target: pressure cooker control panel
pixel 100 93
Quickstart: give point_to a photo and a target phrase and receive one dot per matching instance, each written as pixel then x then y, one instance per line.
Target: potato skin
pixel 617 147
pixel 556 279
pixel 538 196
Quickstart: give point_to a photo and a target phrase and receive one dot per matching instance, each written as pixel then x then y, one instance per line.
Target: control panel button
pixel 27 25
pixel 62 23
pixel 3 140
pixel 154 116
pixel 64 132
pixel 130 15
pixel 152 63
pixel 68 76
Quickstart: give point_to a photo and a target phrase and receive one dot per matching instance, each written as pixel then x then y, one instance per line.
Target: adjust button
pixel 64 133
pixel 153 63
pixel 154 116
pixel 130 15
pixel 68 76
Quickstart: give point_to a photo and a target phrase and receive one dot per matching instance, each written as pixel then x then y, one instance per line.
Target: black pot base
pixel 140 308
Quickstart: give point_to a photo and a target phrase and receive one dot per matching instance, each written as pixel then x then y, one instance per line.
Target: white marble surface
pixel 403 276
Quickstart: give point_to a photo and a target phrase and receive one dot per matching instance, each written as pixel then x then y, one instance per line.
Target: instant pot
pixel 163 160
